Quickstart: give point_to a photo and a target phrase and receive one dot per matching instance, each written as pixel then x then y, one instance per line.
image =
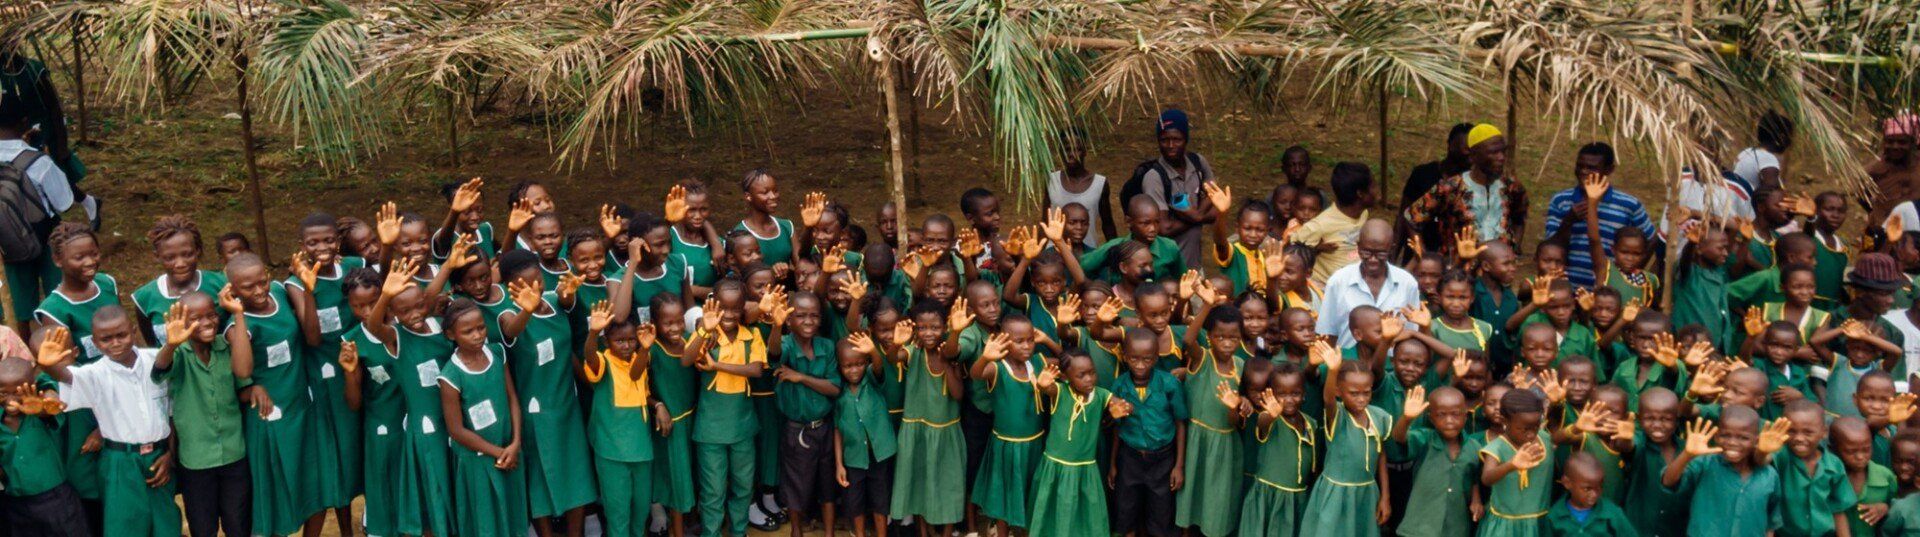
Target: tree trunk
pixel 876 49
pixel 904 81
pixel 80 77
pixel 453 132
pixel 1513 99
pixel 1384 176
pixel 253 168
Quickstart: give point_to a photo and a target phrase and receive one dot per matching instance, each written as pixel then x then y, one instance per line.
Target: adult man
pixel 1172 180
pixel 1426 175
pixel 1567 213
pixel 1895 173
pixel 1482 198
pixel 1374 281
pixel 1332 232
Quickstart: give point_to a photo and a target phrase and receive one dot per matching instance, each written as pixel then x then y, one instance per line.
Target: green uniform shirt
pixel 29 456
pixel 1810 322
pixel 156 297
pixel 1508 501
pixel 1755 289
pixel 1653 509
pixel 669 277
pixel 588 295
pixel 1155 412
pixel 866 431
pixel 1442 482
pixel 206 407
pixel 1903 517
pixel 484 249
pixel 1700 297
pixel 776 249
pixel 1644 284
pixel 1788 375
pixel 1879 488
pixel 1167 263
pixel 1494 304
pixel 727 414
pixel 1473 338
pixel 1243 266
pixel 699 258
pixel 1724 503
pixel 1830 270
pixel 1605 519
pixel 1809 499
pixel 76 313
pixel 796 401
pixel 620 429
pixel 1628 377
pixel 1579 339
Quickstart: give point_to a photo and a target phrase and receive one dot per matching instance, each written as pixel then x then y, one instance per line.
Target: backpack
pixel 21 215
pixel 1134 185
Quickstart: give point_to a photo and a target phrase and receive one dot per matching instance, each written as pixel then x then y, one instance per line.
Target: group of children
pixel 475 381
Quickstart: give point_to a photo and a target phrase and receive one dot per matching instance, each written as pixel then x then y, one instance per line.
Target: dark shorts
pixel 217 498
pixel 869 490
pixel 1143 491
pixel 56 512
pixel 806 464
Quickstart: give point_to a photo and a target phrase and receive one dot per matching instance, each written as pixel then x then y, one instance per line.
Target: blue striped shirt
pixel 1619 209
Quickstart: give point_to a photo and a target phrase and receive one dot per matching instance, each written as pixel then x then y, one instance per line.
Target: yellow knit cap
pixel 1481 133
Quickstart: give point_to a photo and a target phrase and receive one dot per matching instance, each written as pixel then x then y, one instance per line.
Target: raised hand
pixel 1270 405
pixel 1583 298
pixel 1119 408
pixel 1774 437
pixel 811 207
pixel 1418 314
pixel 1630 311
pixel 179 329
pixel 1621 430
pixel 1699 353
pixel 398 278
pixel 349 356
pixel 1188 283
pixel 1754 324
pixel 1417 245
pixel 1595 186
pixel 1322 352
pixel 519 215
pixel 1416 403
pixel 1853 329
pixel 568 285
pixel 1228 397
pixel 466 196
pixel 710 314
pixel 56 347
pixel 1068 312
pixel 645 335
pixel 460 253
pixel 855 286
pixel 1706 382
pixel 386 224
pixel 1529 457
pixel 638 249
pixel 1746 229
pixel 1901 409
pixel 776 294
pixel 675 209
pixel 902 333
pixel 1542 290
pixel 1273 258
pixel 1665 351
pixel 996 348
pixel 1209 294
pixel 959 317
pixel 1220 197
pixel 1466 245
pixel 781 310
pixel 970 246
pixel 600 317
pixel 1110 310
pixel 1391 327
pixel 1032 246
pixel 526 295
pixel 1800 204
pixel 1461 366
pixel 1556 389
pixel 1593 418
pixel 304 270
pixel 861 343
pixel 1049 376
pixel 1055 227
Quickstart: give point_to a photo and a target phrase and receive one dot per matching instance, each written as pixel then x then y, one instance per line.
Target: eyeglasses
pixel 1373 255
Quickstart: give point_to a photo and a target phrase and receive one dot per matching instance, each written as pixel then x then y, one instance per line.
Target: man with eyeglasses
pixel 1373 281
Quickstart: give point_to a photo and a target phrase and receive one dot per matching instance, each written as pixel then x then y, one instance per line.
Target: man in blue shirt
pixel 1567 213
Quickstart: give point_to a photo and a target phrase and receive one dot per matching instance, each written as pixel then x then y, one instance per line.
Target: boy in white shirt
pixel 131 403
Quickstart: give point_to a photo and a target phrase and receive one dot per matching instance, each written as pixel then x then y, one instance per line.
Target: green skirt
pixel 558 468
pixel 931 474
pixel 426 484
pixel 766 445
pixel 1268 510
pixel 384 489
pixel 673 468
pixel 488 502
pixel 83 469
pixel 1336 509
pixel 286 461
pixel 343 441
pixel 1210 499
pixel 1068 500
pixel 1494 525
pixel 1001 488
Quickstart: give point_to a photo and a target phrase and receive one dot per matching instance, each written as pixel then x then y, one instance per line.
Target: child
pixel 1281 200
pixel 489 486
pixel 725 430
pixel 199 369
pixel 420 349
pixel 1494 301
pixel 1350 485
pixel 1004 376
pixel 136 461
pixel 1051 273
pixel 546 238
pixel 1307 205
pixel 1652 508
pixel 1240 260
pixel 557 468
pixel 176 246
pixel 804 397
pixel 37 498
pixel 1149 456
pixel 1764 285
pixel 1872 483
pixel 932 451
pixel 1840 380
pixel 465 217
pixel 624 419
pixel 1285 456
pixel 1878 405
pixel 1903 516
pixel 1289 271
pixel 1606 433
pixel 1797 284
pixel 359 239
pixel 982 211
pixel 1074 184
pixel 1445 499
pixel 1553 304
pixel 675 385
pixel 652 268
pixel 773 234
pixel 592 271
pixel 317 272
pixel 1079 230
pixel 1700 284
pixel 1209 500
pixel 1787 379
pixel 1815 493
pixel 1732 494
pixel 375 397
pixel 1143 228
pixel 1457 329
pixel 1627 272
pixel 1517 466
pixel 295 463
pixel 1067 496
pixel 694 238
pixel 232 243
pixel 1427 269
pixel 864 443
pixel 1830 255
pixel 1584 510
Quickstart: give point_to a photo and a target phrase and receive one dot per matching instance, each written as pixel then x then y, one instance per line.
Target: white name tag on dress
pixel 326 371
pixel 273 415
pixel 330 319
pixel 429 373
pixel 379 374
pixel 481 415
pixel 545 348
pixel 279 354
pixel 533 405
pixel 86 343
pixel 426 425
pixel 380 431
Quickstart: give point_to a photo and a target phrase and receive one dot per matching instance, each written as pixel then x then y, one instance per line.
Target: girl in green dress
pixel 1797 285
pixel 83 289
pixel 1348 499
pixel 1626 272
pixel 317 272
pixel 1284 454
pixel 1000 489
pixel 1516 466
pixel 420 349
pixel 932 460
pixel 588 256
pixel 1041 277
pixel 1456 330
pixel 1210 498
pixel 466 217
pixel 694 237
pixel 482 413
pixel 368 361
pixel 176 246
pixel 1069 498
pixel 674 385
pixel 774 234
pixel 293 467
pixel 624 418
pixel 651 268
pixel 558 471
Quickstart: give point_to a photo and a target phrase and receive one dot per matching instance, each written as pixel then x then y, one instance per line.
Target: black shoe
pixel 778 517
pixel 769 525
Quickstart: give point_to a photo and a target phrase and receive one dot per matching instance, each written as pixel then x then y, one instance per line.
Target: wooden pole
pixel 1673 187
pixel 877 51
pixel 1513 99
pixel 246 135
pixel 80 75
pixel 913 134
pixel 1384 176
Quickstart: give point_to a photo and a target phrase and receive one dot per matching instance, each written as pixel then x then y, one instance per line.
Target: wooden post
pixel 1513 129
pixel 1384 176
pixel 80 76
pixel 913 133
pixel 1673 188
pixel 877 51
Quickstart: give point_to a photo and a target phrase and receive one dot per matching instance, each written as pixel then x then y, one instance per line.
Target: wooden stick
pixel 877 51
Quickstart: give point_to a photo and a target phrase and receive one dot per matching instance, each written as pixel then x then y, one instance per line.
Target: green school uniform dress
pixel 1513 510
pixel 425 461
pixel 699 258
pixel 1106 361
pixel 776 249
pixel 558 469
pixel 1348 492
pixel 669 277
pixel 929 476
pixel 290 460
pixel 585 298
pixel 383 418
pixel 676 386
pixel 206 409
pixel 1285 459
pixel 1494 304
pixel 1473 338
pixel 550 277
pixel 340 423
pixel 483 248
pixel 1700 297
pixel 1830 270
pixel 154 299
pixel 1903 517
pixel 1632 287
pixel 1442 481
pixel 621 429
pixel 1843 379
pixel 1210 499
pixel 1244 266
pixel 1810 321
pixel 487 501
pixel 493 310
pixel 1042 317
pixel 724 434
pixel 1604 519
pixel 76 314
pixel 1788 375
pixel 1755 289
pixel 1653 509
pixel 1168 265
pixel 1878 488
pixel 1810 498
pixel 1069 496
pixel 1613 467
pixel 1012 455
pixel 1724 503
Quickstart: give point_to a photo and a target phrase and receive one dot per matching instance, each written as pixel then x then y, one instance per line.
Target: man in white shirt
pixel 1374 281
pixel 132 406
pixel 30 280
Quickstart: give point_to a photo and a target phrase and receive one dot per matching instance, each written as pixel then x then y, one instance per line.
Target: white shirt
pixel 1346 290
pixel 132 405
pixel 1489 208
pixel 1090 199
pixel 1720 200
pixel 1752 161
pixel 56 195
pixel 1911 335
pixel 1909 218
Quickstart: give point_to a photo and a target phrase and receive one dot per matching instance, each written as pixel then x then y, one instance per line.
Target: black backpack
pixel 1133 186
pixel 20 213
